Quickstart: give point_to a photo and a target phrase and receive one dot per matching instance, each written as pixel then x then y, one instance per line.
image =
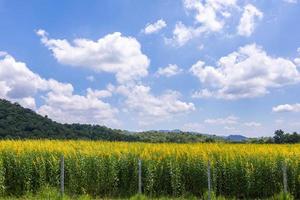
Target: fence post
pixel 208 181
pixel 140 177
pixel 62 176
pixel 284 177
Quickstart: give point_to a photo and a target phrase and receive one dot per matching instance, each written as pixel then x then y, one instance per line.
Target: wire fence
pixel 140 184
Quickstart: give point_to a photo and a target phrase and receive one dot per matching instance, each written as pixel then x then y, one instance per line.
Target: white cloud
pixel 99 93
pixel 287 108
pixel 90 78
pixel 27 102
pixel 182 34
pixel 248 72
pixel 152 108
pixel 297 60
pixel 230 120
pixel 122 56
pixel 70 108
pixel 291 1
pixel 170 70
pixel 252 124
pixel 113 53
pixel 155 27
pixel 210 16
pixel 207 14
pixel 248 21
pixel 117 54
pixel 19 84
pixel 3 53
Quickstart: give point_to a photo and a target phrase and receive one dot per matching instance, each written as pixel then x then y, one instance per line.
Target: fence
pixel 127 175
pixel 139 189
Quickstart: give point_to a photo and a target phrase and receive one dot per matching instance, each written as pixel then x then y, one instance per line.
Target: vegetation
pixel 109 169
pixel 54 194
pixel 17 122
pixel 280 137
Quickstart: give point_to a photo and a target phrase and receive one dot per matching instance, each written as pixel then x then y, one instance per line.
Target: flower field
pixel 110 169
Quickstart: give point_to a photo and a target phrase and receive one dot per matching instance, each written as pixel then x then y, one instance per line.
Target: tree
pixel 279 136
pixel 294 138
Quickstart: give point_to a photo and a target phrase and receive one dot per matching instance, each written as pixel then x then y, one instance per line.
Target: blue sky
pixel 218 67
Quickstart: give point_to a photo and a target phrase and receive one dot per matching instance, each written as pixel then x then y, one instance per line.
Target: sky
pixel 212 66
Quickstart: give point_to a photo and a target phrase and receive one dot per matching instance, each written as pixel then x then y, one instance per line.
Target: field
pixel 110 169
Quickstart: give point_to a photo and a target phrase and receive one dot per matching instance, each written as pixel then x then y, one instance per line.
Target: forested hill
pixel 17 122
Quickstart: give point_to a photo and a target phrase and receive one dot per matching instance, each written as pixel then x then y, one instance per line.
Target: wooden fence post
pixel 62 176
pixel 285 188
pixel 208 181
pixel 140 177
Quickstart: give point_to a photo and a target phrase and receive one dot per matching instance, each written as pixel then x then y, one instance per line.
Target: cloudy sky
pixel 213 66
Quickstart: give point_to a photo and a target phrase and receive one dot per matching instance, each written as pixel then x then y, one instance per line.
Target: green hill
pixel 17 122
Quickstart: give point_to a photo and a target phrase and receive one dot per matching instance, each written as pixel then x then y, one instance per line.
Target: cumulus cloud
pixel 287 108
pixel 112 53
pixel 152 108
pixel 248 21
pixel 69 108
pixel 209 16
pixel 182 34
pixel 248 72
pixel 297 60
pixel 26 102
pixel 19 84
pixel 116 54
pixel 209 13
pixel 155 27
pixel 60 103
pixel 170 70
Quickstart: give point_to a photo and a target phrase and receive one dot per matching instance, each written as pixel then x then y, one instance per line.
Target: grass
pixel 50 193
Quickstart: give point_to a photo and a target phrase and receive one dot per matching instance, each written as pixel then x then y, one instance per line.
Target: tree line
pixel 17 122
pixel 280 137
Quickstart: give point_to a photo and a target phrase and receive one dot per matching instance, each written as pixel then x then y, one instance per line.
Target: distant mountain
pixel 17 122
pixel 236 138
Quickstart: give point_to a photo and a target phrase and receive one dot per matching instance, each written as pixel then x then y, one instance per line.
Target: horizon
pixel 154 130
pixel 221 67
